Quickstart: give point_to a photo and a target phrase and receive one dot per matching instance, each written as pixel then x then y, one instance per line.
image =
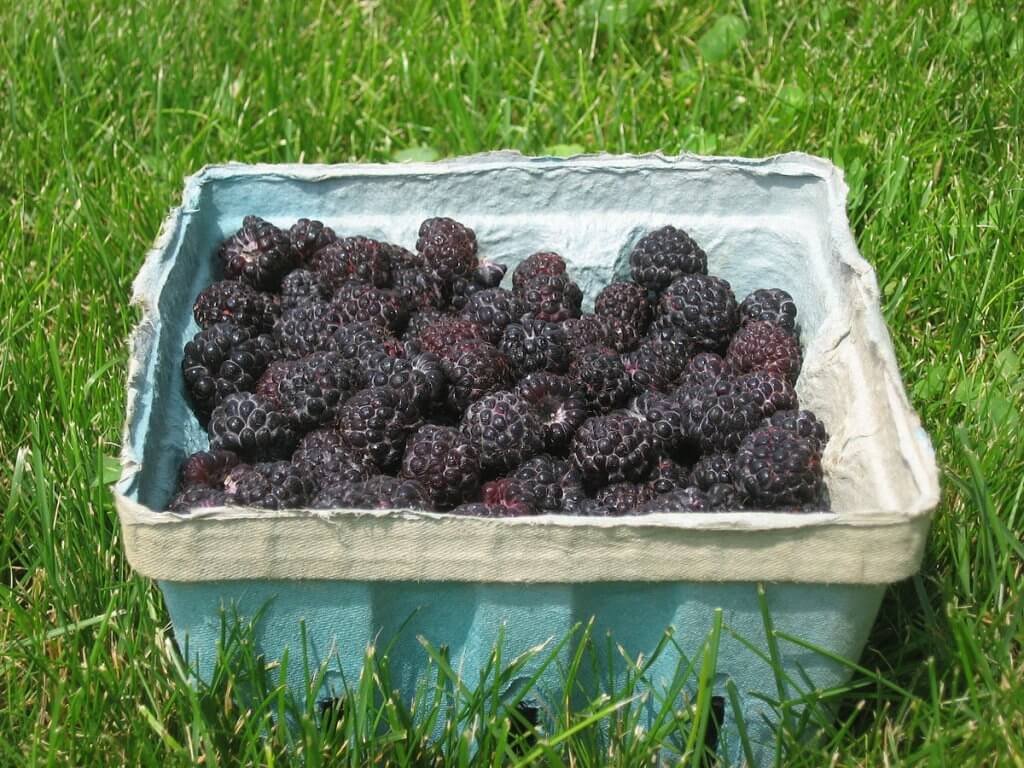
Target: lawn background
pixel 106 106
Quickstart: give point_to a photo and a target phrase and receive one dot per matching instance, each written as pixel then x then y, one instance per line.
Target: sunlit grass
pixel 106 106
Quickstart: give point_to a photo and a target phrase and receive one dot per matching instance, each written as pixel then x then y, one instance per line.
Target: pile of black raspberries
pixel 345 372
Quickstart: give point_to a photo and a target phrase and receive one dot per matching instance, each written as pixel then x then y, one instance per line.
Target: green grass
pixel 106 106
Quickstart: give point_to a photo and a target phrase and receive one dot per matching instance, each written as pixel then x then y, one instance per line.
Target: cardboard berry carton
pixel 339 581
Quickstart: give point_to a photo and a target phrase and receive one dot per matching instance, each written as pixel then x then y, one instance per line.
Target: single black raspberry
pixel 666 415
pixel 771 305
pixel 477 509
pixel 493 309
pixel 720 415
pixel 776 467
pixel 558 405
pixel 420 289
pixel 671 347
pixel 198 497
pixel 669 334
pixel 443 336
pixel 324 458
pixel 431 369
pixel 585 331
pixel 206 468
pixel 600 376
pixel 354 258
pixel 489 274
pixel 545 263
pixel 575 500
pixel 308 236
pixel 418 321
pixel 684 500
pixel 307 328
pixel 402 258
pixel 276 372
pixel 725 497
pixel 702 373
pixel 665 255
pixel 592 508
pixel 771 393
pixel 375 424
pixel 237 302
pixel 544 474
pixel 301 285
pixel 399 493
pixel 534 345
pixel 621 336
pixel 702 307
pixel 713 469
pixel 510 498
pixel 504 429
pixel 420 377
pixel 360 302
pixel 821 503
pixel 310 390
pixel 654 365
pixel 269 485
pixel 460 290
pixel 802 423
pixel 624 498
pixel 668 475
pixel 379 492
pixel 705 368
pixel 473 369
pixel 761 346
pixel 627 302
pixel 613 448
pixel 448 247
pixel 553 298
pixel 223 359
pixel 445 462
pixel 359 340
pixel 253 426
pixel 259 254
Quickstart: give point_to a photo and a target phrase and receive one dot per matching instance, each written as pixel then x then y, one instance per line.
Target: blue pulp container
pixel 342 580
